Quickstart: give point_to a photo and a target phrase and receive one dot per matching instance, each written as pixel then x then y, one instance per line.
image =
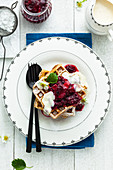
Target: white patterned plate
pixel 48 52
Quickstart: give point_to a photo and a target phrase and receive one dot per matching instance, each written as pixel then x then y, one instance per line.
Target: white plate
pixel 48 52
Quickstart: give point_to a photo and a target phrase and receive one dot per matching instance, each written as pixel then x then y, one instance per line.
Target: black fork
pixel 31 78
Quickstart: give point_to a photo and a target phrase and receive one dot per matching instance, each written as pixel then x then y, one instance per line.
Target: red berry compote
pixel 36 11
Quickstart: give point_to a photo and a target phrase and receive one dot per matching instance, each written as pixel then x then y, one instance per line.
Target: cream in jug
pixel 103 12
pixel 99 17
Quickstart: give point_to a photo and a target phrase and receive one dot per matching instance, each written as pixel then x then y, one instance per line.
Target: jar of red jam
pixel 36 11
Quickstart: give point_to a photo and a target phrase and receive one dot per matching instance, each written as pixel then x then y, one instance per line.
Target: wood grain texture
pixel 80 25
pixel 6 128
pixel 100 157
pixel 64 18
pixel 60 20
pixel 49 159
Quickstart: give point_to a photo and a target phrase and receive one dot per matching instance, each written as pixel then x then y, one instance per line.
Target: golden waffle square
pixel 68 113
pixel 43 73
pixel 64 112
pixel 58 69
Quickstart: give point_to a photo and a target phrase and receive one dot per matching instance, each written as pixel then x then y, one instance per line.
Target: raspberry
pixel 79 107
pixel 71 68
pixel 35 6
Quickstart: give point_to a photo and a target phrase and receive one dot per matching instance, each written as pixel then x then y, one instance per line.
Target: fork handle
pixel 37 131
pixel 30 128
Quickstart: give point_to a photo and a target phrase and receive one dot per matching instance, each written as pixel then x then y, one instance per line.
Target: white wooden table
pixel 64 18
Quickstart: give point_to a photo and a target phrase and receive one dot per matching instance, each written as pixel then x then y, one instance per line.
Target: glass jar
pixel 36 11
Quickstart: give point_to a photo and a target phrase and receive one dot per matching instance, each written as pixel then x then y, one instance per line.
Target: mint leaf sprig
pixel 52 78
pixel 19 164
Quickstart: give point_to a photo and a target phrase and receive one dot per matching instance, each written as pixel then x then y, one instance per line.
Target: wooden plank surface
pixel 60 20
pixel 64 18
pixel 6 128
pixel 100 157
pixel 48 159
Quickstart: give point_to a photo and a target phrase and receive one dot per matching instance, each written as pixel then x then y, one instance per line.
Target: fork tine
pixel 28 75
pixel 33 72
pixel 37 70
pixel 28 65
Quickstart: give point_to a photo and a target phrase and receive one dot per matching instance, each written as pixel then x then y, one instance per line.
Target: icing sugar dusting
pixel 7 20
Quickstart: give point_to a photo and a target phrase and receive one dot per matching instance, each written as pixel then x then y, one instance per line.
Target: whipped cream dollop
pixel 42 84
pixel 48 101
pixel 77 79
pixel 71 77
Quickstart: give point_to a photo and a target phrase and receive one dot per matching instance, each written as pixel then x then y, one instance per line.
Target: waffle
pixel 63 112
pixel 43 73
pixel 58 69
pixel 39 93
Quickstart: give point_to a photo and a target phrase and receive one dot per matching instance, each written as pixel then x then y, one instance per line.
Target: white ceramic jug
pixel 99 17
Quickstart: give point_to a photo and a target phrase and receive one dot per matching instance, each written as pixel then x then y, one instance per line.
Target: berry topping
pixel 79 107
pixel 65 94
pixel 35 6
pixel 71 68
